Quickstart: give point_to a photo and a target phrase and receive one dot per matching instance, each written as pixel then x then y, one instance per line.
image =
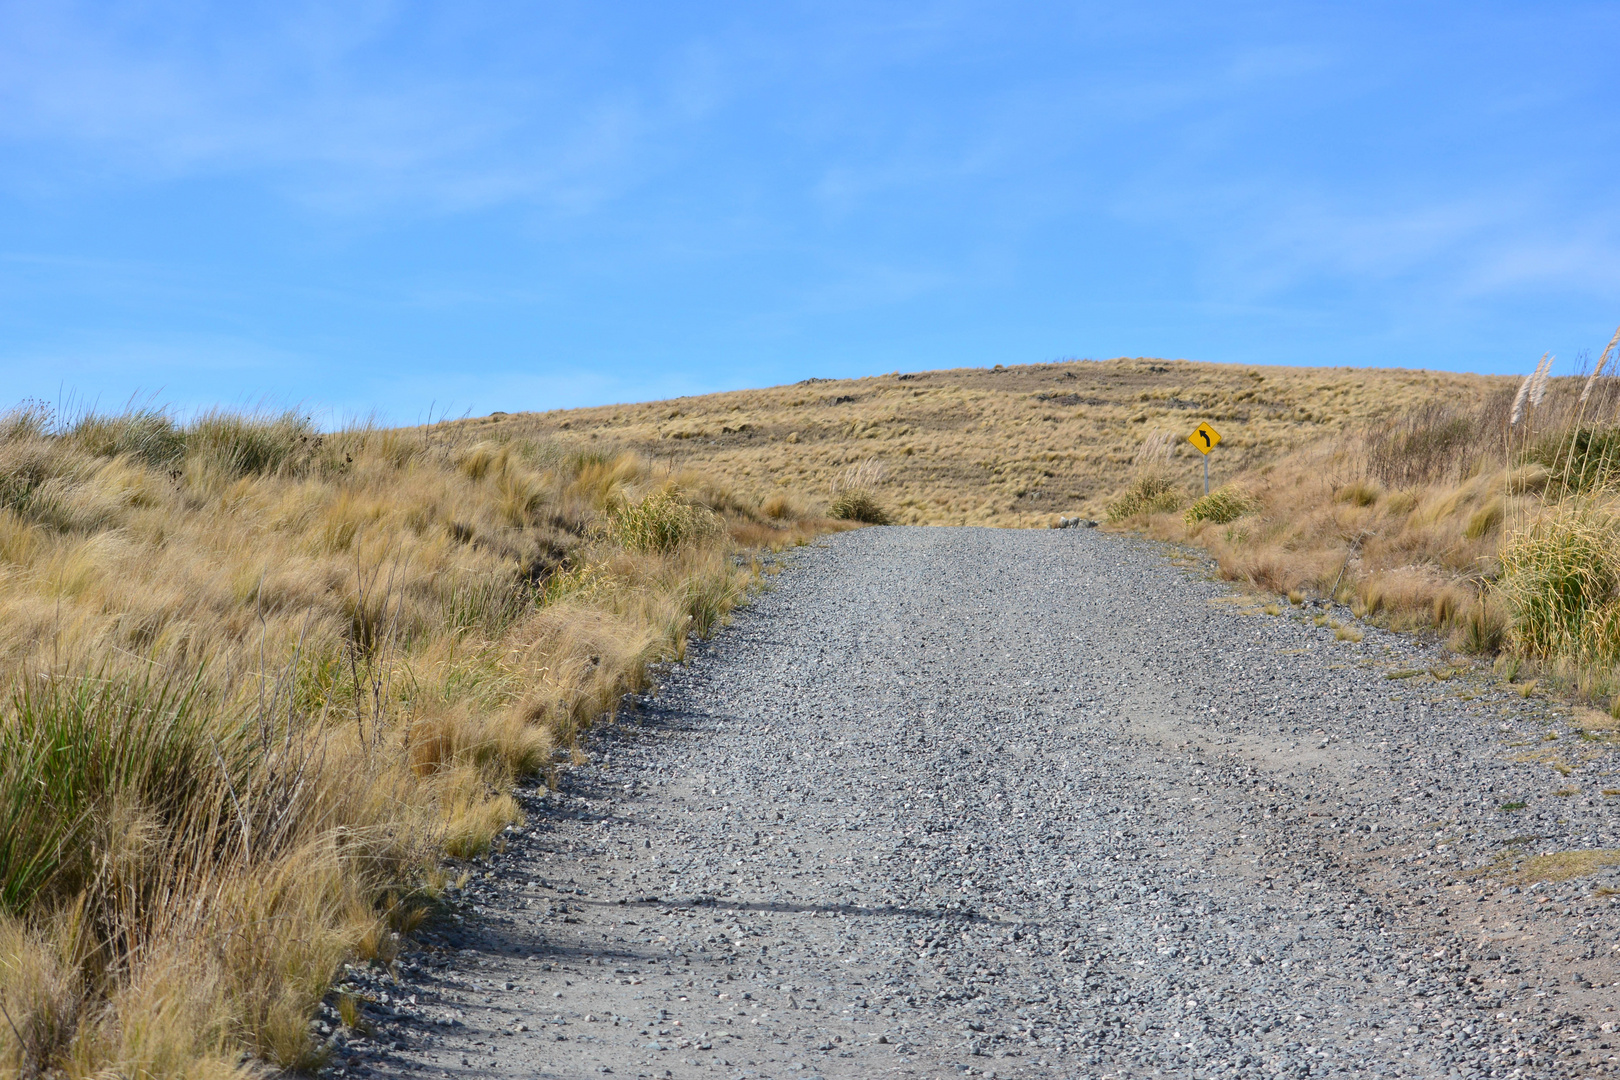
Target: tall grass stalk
pixel 1560 565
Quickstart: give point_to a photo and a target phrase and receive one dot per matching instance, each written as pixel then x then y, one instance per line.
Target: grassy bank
pixel 258 679
pixel 1495 524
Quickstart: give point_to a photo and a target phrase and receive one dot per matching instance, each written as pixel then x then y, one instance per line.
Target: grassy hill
pixel 1015 446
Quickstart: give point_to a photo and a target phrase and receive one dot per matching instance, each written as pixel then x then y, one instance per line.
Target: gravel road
pixel 973 802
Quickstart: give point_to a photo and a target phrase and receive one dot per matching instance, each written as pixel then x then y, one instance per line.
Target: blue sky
pixel 391 207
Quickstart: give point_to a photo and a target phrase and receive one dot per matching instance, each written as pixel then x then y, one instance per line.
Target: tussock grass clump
pixel 1360 493
pixel 235 443
pixel 1219 507
pixel 72 750
pixel 1151 494
pixel 778 506
pixel 1484 628
pixel 661 522
pixel 858 504
pixel 1487 519
pixel 241 445
pixel 148 434
pixel 854 494
pixel 1559 574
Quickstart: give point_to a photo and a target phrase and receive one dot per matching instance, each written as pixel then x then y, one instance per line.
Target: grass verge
pixel 1495 524
pixel 260 679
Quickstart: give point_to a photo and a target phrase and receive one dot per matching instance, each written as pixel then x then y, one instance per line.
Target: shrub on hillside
pixel 859 504
pixel 1219 507
pixel 661 522
pixel 1581 460
pixel 1151 494
pixel 1559 577
pixel 242 445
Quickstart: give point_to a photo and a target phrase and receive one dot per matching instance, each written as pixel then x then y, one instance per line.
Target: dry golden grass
pixel 1560 866
pixel 1494 520
pixel 1393 491
pixel 1326 480
pixel 261 680
pixel 1015 447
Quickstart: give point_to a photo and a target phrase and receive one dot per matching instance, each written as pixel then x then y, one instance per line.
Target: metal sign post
pixel 1205 438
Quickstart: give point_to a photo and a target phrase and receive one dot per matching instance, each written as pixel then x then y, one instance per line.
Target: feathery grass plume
pixel 865 475
pixel 1538 381
pixel 1156 449
pixel 1518 401
pixel 855 497
pixel 1586 391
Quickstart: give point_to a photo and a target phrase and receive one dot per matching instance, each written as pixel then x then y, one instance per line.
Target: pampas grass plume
pixel 1586 391
pixel 1538 381
pixel 1518 401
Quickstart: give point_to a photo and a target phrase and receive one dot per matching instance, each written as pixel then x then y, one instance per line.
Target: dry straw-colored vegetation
pixel 1432 500
pixel 260 680
pixel 1014 446
pixel 1491 518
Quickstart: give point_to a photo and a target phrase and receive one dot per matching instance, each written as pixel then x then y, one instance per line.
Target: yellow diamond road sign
pixel 1204 438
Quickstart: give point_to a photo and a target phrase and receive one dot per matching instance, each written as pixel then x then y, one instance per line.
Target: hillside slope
pixel 1011 446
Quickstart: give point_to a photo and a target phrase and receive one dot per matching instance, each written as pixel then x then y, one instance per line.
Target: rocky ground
pixel 951 802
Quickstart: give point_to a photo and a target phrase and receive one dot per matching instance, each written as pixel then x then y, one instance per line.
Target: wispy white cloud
pixel 1263 242
pixel 348 107
pixel 653 189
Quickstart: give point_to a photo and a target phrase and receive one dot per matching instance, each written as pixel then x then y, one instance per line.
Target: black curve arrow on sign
pixel 1205 434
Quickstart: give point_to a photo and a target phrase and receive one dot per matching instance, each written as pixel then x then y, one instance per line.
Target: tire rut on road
pixel 950 802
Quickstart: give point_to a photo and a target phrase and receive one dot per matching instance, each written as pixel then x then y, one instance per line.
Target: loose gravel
pixel 948 802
